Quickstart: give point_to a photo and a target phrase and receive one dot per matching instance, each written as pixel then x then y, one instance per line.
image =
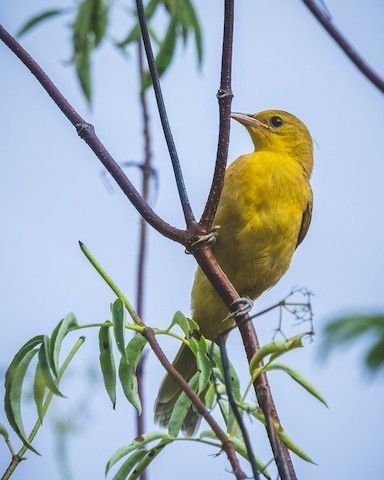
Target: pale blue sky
pixel 51 196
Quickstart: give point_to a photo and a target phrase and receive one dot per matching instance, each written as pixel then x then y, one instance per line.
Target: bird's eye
pixel 277 121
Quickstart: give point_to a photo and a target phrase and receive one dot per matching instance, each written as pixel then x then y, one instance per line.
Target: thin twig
pixel 146 176
pixel 235 409
pixel 224 96
pixel 87 133
pixel 188 214
pixel 344 44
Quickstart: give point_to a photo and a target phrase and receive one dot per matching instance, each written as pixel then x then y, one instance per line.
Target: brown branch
pixel 344 44
pixel 87 133
pixel 226 444
pixel 146 177
pixel 224 96
pixel 227 292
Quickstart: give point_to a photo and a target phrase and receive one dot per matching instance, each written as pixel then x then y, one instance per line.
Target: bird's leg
pixel 245 306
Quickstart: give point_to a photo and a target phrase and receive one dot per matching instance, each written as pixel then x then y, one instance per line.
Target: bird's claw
pixel 207 239
pixel 246 305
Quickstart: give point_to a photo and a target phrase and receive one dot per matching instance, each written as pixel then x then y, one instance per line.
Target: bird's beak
pixel 248 120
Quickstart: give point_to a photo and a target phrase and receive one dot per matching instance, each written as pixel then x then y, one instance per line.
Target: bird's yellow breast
pixel 260 214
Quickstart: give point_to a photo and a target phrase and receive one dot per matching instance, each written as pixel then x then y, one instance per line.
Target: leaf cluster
pixel 90 21
pixel 350 329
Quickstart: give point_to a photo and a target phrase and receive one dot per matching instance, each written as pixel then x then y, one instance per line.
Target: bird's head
pixel 279 132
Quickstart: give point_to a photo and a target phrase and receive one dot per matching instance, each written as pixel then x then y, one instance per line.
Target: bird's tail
pixel 185 364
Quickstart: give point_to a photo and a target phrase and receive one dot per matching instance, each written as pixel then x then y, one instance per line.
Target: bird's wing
pixel 306 221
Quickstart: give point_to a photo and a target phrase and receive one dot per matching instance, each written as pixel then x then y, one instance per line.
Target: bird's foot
pixel 245 306
pixel 207 239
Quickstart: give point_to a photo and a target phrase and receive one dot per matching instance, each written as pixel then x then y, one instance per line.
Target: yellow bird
pixel 264 214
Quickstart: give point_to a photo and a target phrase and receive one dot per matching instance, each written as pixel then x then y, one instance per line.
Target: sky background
pixel 52 194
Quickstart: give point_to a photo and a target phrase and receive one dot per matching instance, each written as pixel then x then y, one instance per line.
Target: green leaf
pixel 210 397
pixel 128 465
pixel 39 391
pixel 298 378
pixel 148 459
pixel 139 442
pixel 118 320
pixel 358 328
pixel 13 388
pixel 30 345
pixel 180 410
pixel 57 337
pixel 99 20
pixel 36 20
pixel 235 382
pixel 4 432
pixel 45 367
pixel 374 358
pixel 293 447
pixel 107 363
pixel 134 348
pixel 189 22
pixel 180 319
pixel 203 364
pixel 128 381
pixel 275 349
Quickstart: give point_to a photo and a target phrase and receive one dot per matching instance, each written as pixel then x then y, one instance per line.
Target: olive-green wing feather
pixel 306 221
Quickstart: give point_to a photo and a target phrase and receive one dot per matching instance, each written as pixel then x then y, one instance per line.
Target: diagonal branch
pixel 188 214
pixel 87 133
pixel 345 45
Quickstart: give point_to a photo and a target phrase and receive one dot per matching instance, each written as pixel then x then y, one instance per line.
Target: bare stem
pixel 146 177
pixel 188 214
pixel 344 44
pixel 224 96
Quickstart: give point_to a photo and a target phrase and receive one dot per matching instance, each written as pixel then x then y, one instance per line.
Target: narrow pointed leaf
pixel 191 22
pixel 128 381
pixel 139 442
pixel 180 410
pixel 12 398
pixel 134 349
pixel 4 432
pixel 57 337
pixel 36 20
pixel 38 391
pixel 203 364
pixel 45 367
pixel 148 459
pixel 129 464
pixel 107 363
pixel 293 447
pixel 99 20
pixel 28 346
pixel 298 378
pixel 180 319
pixel 275 349
pixel 118 320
